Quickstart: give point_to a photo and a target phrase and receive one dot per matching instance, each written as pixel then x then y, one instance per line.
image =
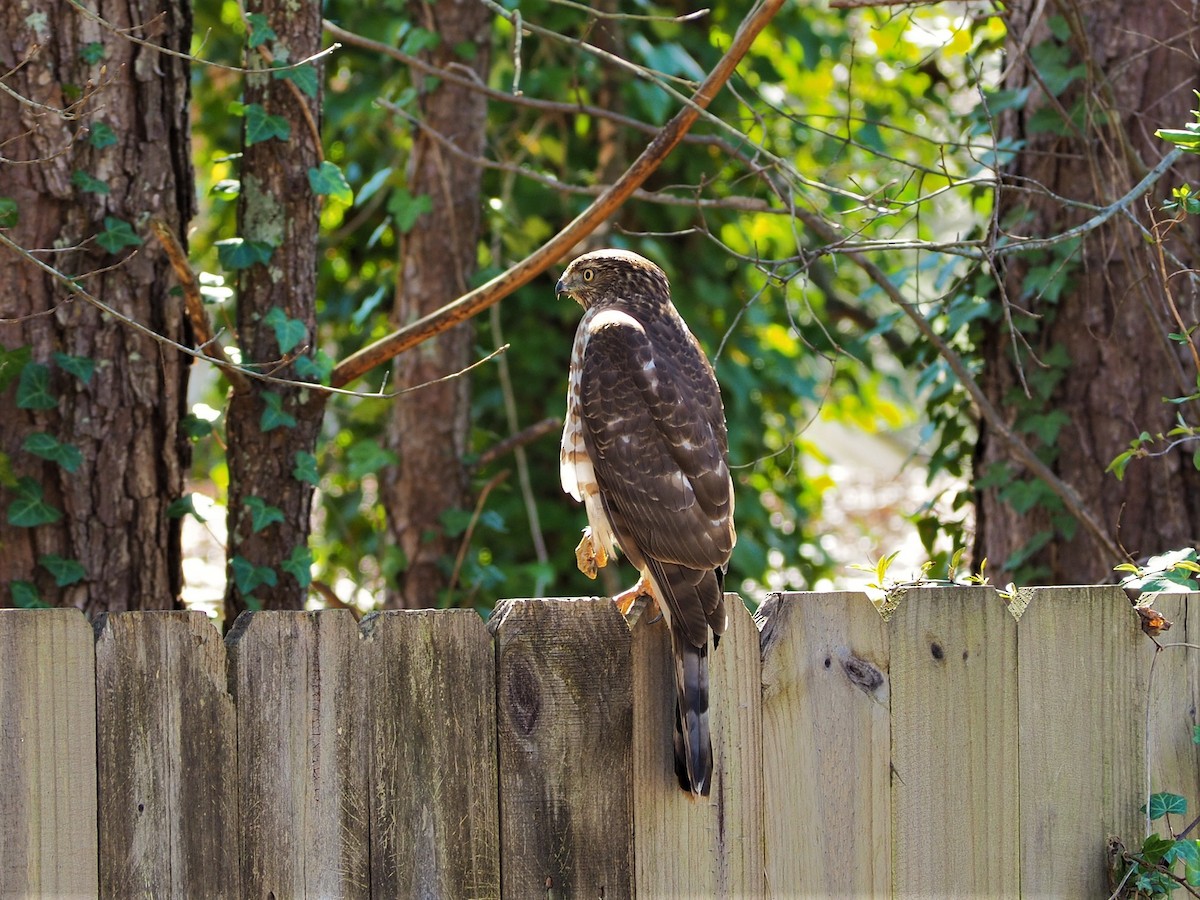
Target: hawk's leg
pixel 589 556
pixel 626 599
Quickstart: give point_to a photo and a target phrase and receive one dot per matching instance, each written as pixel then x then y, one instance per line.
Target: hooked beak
pixel 560 288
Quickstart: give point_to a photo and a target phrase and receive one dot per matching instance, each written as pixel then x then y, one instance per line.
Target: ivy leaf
pixel 304 77
pixel 247 576
pixel 289 332
pixel 1185 850
pixel 262 515
pixel 262 127
pixel 237 253
pixel 1164 803
pixel 184 506
pixel 306 471
pixel 65 571
pixel 273 415
pixel 28 509
pixel 89 183
pixel 327 180
pixel 101 135
pixel 33 388
pixel 195 427
pixel 25 595
pixel 92 52
pixel 1154 848
pixel 299 565
pixel 48 447
pixel 260 31
pixel 406 209
pixel 12 363
pixel 419 39
pixel 82 367
pixel 117 234
pixel 9 215
pixel 315 368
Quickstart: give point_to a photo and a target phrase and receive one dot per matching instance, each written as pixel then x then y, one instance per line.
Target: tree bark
pixel 270 423
pixel 1097 350
pixel 428 430
pixel 99 135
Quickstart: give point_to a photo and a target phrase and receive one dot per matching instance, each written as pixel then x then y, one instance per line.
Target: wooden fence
pixel 946 751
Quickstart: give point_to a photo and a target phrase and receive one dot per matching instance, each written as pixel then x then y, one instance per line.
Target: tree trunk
pixel 1089 363
pixel 97 143
pixel 269 424
pixel 428 429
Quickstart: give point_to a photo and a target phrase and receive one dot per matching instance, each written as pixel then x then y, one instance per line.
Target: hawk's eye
pixel 588 274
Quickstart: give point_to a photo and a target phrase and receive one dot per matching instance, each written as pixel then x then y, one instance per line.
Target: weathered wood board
pixel 48 837
pixel 430 679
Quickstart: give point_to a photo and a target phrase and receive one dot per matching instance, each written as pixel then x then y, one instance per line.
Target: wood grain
pixel 167 757
pixel 48 842
pixel 1083 664
pixel 709 846
pixel 1174 698
pixel 430 676
pixel 826 746
pixel 564 727
pixel 302 756
pixel 955 794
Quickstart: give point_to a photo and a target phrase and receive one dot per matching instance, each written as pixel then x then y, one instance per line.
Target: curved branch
pixel 474 302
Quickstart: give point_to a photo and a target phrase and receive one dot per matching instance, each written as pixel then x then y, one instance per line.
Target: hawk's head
pixel 609 276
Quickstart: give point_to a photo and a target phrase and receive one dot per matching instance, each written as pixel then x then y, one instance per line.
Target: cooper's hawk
pixel 645 448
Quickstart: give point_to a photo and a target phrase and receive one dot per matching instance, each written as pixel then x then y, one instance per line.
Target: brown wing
pixel 654 430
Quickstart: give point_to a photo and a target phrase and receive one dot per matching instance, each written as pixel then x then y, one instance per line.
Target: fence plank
pixel 48 844
pixel 431 679
pixel 708 847
pixel 564 728
pixel 1174 756
pixel 826 746
pixel 955 798
pixel 167 757
pixel 302 763
pixel 1083 668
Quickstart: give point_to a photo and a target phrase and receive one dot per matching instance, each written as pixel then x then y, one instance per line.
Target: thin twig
pixel 466 539
pixel 525 436
pixel 474 302
pixel 193 303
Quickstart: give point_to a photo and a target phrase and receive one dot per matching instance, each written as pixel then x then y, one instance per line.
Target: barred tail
pixel 693 743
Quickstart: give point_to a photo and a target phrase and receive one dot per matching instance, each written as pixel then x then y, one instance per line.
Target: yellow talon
pixel 589 557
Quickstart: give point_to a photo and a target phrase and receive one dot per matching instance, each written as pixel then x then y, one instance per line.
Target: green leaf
pixel 273 415
pixel 28 509
pixel 33 388
pixel 373 184
pixel 328 180
pixel 247 576
pixel 1155 847
pixel 455 521
pixel 101 135
pixel 9 215
pixel 1164 803
pixel 1185 850
pixel 288 332
pixel 195 427
pixel 299 565
pixel 263 127
pixel 8 478
pixel 82 367
pixel 260 31
pixel 89 183
pixel 419 39
pixel 117 234
pixel 262 515
pixel 12 363
pixel 235 253
pixel 65 571
pixel 48 447
pixel 315 368
pixel 306 470
pixel 184 506
pixel 304 77
pixel 25 595
pixel 366 457
pixel 92 52
pixel 406 209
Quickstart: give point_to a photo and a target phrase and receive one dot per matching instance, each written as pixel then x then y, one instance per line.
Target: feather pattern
pixel 645 447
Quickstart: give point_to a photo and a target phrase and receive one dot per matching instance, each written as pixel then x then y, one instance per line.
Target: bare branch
pixel 533 265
